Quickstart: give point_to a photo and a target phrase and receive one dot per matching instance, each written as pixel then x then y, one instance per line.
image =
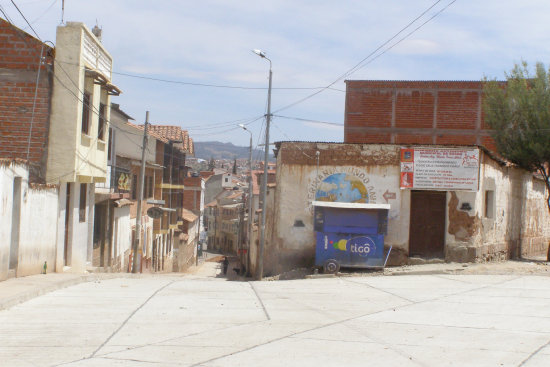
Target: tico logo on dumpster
pixel 362 245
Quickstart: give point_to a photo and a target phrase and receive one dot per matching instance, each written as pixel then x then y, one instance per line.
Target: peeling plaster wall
pixel 520 222
pixel 519 225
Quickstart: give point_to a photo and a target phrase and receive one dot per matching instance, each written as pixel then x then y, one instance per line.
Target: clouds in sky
pixel 311 43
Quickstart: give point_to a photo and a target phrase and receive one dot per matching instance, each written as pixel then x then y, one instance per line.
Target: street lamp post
pixel 250 215
pixel 260 261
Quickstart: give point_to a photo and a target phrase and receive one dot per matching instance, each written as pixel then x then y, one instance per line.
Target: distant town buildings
pixel 70 164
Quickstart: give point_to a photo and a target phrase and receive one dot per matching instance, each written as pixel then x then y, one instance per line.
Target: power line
pixel 180 82
pixel 410 33
pixel 310 120
pixel 23 15
pixel 290 140
pixel 359 65
pixel 43 13
pixel 209 85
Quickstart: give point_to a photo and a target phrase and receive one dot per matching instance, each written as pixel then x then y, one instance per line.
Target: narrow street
pixel 202 319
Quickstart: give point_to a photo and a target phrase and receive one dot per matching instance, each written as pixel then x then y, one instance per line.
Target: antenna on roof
pixel 97 31
pixel 62 11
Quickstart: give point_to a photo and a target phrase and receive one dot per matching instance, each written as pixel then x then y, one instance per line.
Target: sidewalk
pixel 18 290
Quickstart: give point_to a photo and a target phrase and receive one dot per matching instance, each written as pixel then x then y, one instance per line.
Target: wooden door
pixel 427 225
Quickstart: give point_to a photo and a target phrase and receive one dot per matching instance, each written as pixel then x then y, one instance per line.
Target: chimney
pixel 97 32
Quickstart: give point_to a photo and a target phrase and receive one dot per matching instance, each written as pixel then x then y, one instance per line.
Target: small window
pixel 86 113
pixel 150 187
pixel 489 204
pixel 226 179
pixel 134 187
pixel 101 122
pixel 82 206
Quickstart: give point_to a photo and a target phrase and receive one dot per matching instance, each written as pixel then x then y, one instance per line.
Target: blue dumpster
pixel 349 235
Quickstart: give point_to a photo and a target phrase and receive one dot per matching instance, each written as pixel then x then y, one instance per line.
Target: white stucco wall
pixel 129 139
pixel 122 236
pixel 38 216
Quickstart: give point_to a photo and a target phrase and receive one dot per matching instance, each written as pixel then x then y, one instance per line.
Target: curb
pixel 41 290
pixel 320 276
pixel 427 272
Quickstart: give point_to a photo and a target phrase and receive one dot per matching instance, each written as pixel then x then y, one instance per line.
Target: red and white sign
pixel 440 168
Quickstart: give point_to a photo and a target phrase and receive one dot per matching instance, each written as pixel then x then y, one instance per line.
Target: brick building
pixel 415 112
pixel 24 120
pixel 54 118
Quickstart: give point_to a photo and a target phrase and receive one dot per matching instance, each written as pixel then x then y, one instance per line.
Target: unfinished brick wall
pixel 415 112
pixel 192 193
pixel 19 60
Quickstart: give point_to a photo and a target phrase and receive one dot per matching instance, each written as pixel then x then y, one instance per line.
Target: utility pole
pixel 250 214
pixel 137 243
pixel 264 182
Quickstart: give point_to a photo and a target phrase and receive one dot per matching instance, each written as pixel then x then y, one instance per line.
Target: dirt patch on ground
pixel 292 274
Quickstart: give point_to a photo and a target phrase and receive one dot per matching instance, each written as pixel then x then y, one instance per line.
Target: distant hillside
pixel 218 150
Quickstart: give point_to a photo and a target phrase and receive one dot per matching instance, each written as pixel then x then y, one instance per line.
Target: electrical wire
pixel 44 13
pixel 408 34
pixel 23 15
pixel 359 65
pixel 290 141
pixel 310 120
pixel 209 85
pixel 173 81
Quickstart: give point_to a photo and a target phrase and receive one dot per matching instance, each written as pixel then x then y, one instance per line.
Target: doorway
pixel 68 216
pixel 15 227
pixel 427 225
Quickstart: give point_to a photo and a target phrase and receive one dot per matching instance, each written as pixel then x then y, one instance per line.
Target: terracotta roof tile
pixel 175 134
pixel 149 132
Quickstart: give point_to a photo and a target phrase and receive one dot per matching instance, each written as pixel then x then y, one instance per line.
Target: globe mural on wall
pixel 342 187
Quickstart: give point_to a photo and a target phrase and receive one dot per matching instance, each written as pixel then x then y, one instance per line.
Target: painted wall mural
pixel 342 187
pixel 342 184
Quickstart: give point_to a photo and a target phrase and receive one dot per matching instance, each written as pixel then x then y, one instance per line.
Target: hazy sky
pixel 311 44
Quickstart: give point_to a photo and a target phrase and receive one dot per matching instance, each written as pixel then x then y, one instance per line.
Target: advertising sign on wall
pixel 440 168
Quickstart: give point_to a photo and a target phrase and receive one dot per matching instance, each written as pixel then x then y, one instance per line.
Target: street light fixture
pixel 250 214
pixel 260 260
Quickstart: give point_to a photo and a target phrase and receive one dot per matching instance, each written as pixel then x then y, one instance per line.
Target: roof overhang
pixel 330 204
pixel 102 80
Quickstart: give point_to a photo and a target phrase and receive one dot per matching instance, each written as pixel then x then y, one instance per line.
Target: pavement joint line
pixel 292 335
pixel 259 299
pixel 467 327
pixel 45 289
pixel 442 276
pixel 398 351
pixel 178 337
pixel 406 344
pixel 378 289
pixel 137 360
pixel 535 352
pixel 131 315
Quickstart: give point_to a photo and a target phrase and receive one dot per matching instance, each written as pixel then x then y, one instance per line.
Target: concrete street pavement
pixel 203 320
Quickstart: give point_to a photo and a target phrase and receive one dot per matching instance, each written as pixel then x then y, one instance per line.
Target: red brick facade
pixel 19 59
pixel 415 112
pixel 192 193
